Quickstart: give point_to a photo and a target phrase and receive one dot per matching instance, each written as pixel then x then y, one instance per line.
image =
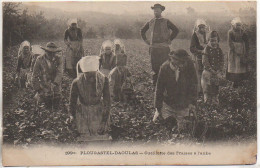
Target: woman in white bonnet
pixel 24 64
pixel 238 53
pixel 106 57
pixel 197 45
pixel 90 100
pixel 73 40
pixel 119 76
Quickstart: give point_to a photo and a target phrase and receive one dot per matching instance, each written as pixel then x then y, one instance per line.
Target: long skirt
pixel 24 78
pixel 73 55
pixel 88 119
pixel 236 69
pixel 199 69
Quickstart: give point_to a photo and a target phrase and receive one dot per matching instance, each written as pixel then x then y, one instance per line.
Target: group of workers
pixel 178 77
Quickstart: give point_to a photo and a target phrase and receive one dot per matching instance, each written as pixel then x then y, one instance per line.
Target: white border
pixel 258 84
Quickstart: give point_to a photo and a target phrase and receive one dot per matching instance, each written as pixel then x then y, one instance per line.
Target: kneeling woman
pixel 90 100
pixel 119 77
pixel 106 57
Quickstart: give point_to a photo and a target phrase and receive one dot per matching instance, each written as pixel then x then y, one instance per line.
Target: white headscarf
pixel 121 44
pixel 36 49
pixel 70 21
pixel 201 22
pixel 105 44
pixel 22 45
pixel 88 64
pixel 235 21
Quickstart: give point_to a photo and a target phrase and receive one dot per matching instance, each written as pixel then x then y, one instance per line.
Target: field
pixel 24 123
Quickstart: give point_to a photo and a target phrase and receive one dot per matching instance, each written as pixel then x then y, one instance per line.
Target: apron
pixel 74 54
pixel 88 117
pixel 234 58
pixel 88 121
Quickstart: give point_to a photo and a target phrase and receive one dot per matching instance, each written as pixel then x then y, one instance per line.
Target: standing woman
pixel 238 53
pixel 197 45
pixel 73 39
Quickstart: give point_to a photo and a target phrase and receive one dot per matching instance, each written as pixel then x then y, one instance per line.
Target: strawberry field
pixel 24 123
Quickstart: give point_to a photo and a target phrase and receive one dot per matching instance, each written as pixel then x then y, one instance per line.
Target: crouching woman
pixel 90 101
pixel 176 89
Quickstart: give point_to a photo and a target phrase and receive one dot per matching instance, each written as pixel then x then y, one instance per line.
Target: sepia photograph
pixel 129 83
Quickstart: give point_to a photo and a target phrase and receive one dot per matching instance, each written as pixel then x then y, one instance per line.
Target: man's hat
pixel 179 54
pixel 158 6
pixel 51 47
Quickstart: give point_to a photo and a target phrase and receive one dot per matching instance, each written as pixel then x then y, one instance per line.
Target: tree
pixel 11 23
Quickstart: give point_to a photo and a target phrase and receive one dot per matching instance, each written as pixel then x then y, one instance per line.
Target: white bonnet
pixel 89 63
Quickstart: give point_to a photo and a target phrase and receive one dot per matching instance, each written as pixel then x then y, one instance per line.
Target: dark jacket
pixel 213 59
pixel 176 94
pixel 44 74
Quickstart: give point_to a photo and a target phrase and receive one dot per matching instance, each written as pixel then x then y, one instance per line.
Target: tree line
pixel 20 25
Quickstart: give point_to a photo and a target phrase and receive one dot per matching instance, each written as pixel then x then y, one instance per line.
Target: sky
pixel 135 7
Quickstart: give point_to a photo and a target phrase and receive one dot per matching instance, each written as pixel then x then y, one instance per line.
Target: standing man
pixel 163 32
pixel 73 40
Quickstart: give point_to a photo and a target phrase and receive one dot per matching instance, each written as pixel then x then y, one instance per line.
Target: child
pixel 106 57
pixel 213 62
pixel 119 76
